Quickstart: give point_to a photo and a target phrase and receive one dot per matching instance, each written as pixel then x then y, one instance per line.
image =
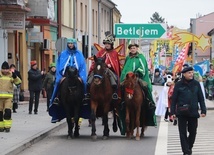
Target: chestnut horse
pixel 71 95
pixel 134 97
pixel 101 96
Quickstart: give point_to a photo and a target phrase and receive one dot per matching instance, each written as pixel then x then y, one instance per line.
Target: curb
pixel 210 108
pixel 34 139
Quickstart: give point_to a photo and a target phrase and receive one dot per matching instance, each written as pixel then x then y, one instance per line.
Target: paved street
pixel 36 135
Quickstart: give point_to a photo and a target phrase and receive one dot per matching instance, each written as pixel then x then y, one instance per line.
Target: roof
pixel 211 32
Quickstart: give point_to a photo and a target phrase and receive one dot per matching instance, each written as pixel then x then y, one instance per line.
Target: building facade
pixel 12 34
pixel 199 26
pixel 42 22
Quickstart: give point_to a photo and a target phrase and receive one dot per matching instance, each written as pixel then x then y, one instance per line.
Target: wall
pixel 3 45
pixel 11 47
pixel 203 25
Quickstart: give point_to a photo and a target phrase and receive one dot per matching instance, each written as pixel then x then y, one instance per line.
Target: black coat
pixel 18 74
pixel 188 93
pixel 34 80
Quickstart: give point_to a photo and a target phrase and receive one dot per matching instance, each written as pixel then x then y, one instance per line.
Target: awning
pixel 14 8
pixel 42 22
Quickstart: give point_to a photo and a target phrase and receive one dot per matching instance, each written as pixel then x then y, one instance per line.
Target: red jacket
pixel 170 93
pixel 111 59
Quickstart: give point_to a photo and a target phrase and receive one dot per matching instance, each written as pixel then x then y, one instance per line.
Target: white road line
pixel 161 145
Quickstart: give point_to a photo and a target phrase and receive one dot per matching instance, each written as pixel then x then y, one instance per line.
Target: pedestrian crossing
pixel 204 143
pixel 168 141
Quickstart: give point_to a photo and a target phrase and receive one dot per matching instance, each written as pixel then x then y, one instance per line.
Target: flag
pixel 156 59
pixel 162 52
pixel 181 59
pixel 202 67
pixel 175 56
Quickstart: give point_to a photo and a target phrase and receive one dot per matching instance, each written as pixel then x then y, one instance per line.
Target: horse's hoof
pixel 115 128
pixel 105 137
pixel 137 138
pixel 142 135
pixel 76 135
pixel 128 136
pixel 94 137
pixel 69 137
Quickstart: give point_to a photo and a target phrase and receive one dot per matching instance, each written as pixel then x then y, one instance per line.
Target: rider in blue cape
pixel 69 57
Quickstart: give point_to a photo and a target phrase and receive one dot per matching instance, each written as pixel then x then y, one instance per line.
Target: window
pixel 86 18
pixel 81 16
pixel 93 24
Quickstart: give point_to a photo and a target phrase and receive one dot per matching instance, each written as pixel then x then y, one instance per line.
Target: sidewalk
pixel 27 129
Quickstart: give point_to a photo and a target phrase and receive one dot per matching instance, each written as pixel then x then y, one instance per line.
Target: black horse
pixel 71 96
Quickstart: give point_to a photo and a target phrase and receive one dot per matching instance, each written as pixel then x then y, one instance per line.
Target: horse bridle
pixel 101 77
pixel 71 89
pixel 130 91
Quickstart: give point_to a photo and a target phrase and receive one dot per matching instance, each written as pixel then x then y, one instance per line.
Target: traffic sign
pixel 61 44
pixel 136 31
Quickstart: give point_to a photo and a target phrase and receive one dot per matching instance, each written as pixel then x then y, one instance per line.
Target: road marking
pixel 161 144
pixel 204 143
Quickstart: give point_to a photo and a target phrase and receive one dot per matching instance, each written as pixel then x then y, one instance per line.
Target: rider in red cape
pixel 111 58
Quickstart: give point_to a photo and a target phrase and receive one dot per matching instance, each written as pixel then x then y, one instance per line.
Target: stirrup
pixel 56 101
pixel 114 96
pixel 87 97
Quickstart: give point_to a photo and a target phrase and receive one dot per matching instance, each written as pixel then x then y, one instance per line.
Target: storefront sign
pixel 13 20
pixel 35 37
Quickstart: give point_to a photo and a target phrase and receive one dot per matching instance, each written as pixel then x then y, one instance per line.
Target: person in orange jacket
pixel 7 79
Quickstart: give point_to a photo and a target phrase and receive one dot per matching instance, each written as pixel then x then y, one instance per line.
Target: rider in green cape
pixel 136 62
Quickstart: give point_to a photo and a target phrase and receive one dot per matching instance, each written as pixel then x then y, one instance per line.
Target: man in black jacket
pixel 34 86
pixel 186 96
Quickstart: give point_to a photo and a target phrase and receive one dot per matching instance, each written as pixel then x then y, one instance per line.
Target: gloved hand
pixel 14 75
pixel 139 72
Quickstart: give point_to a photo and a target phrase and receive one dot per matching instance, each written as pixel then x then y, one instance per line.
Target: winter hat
pixel 5 65
pixel 71 40
pixel 185 65
pixel 52 65
pixel 157 70
pixel 187 69
pixel 32 63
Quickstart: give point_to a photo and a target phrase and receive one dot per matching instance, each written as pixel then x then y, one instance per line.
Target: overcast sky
pixel 175 12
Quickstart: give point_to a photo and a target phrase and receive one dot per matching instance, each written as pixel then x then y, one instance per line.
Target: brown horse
pixel 134 106
pixel 101 97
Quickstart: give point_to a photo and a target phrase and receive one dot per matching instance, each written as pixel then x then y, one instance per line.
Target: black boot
pixel 87 96
pixel 122 104
pixel 56 101
pixel 15 106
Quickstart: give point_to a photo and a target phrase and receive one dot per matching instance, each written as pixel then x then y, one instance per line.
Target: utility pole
pixel 74 18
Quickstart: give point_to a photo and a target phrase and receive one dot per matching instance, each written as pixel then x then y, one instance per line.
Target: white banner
pixel 13 20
